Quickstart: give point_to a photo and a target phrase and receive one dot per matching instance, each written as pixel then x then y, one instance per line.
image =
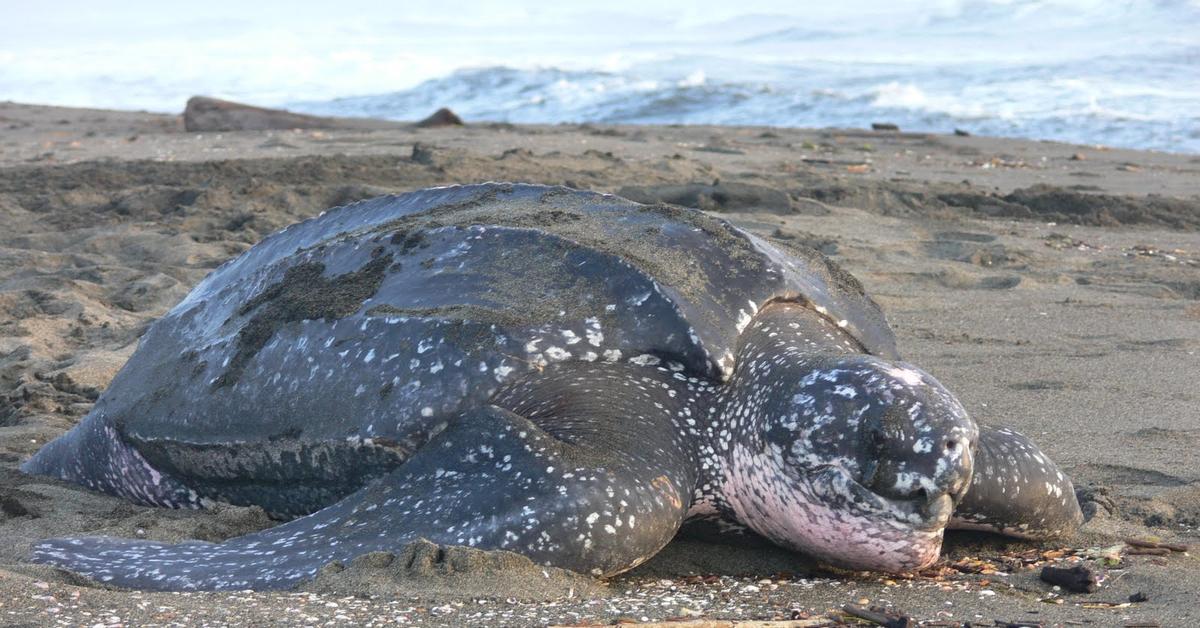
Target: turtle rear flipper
pixel 94 455
pixel 1017 490
pixel 491 480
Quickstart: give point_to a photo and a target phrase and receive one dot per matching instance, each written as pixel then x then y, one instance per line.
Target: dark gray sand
pixel 1055 288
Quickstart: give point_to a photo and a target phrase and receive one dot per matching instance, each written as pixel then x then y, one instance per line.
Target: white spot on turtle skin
pixel 557 354
pixel 427 411
pixel 612 355
pixel 906 375
pixel 645 359
pixel 370 356
pixel 639 299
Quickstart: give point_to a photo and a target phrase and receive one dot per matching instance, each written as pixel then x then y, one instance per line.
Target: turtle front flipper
pixel 491 480
pixel 1017 490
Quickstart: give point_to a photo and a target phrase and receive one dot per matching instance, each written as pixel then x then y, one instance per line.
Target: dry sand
pixel 1055 288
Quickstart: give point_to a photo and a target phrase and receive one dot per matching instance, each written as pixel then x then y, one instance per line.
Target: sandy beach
pixel 1053 287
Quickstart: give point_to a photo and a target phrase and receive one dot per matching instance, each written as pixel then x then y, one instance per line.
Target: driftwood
pixel 204 114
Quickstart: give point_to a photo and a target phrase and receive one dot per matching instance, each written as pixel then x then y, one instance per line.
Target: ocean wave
pixel 1089 71
pixel 1041 102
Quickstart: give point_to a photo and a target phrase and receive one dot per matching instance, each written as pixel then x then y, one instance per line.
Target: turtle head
pixel 855 460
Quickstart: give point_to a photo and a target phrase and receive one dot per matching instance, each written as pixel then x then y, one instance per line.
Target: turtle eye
pixel 876 439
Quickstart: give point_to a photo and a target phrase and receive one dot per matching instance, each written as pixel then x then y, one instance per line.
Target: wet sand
pixel 1054 288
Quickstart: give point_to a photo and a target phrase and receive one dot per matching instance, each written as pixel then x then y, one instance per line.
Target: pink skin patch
pixel 827 514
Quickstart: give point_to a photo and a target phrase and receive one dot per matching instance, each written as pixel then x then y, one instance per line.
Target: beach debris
pixel 884 126
pixel 962 133
pixel 205 114
pixel 275 142
pixel 999 162
pixel 1156 545
pixel 1147 551
pixel 1105 556
pixel 834 162
pixel 1134 598
pixel 1077 579
pixel 1062 241
pixel 720 147
pixel 1174 255
pixel 1009 563
pixel 1078 157
pixel 440 118
pixel 816 622
pixel 880 616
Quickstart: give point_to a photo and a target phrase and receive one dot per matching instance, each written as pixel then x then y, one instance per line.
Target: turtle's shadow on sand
pixel 755 557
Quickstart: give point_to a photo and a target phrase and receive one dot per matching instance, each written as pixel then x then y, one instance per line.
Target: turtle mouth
pixel 923 510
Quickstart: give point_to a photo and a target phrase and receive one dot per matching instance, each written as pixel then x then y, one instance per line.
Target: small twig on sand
pixel 1147 551
pixel 1174 547
pixel 887 620
pixel 816 622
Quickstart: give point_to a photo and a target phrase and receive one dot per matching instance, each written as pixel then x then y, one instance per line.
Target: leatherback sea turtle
pixel 563 374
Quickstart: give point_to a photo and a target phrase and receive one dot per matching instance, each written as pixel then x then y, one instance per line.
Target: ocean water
pixel 1095 72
